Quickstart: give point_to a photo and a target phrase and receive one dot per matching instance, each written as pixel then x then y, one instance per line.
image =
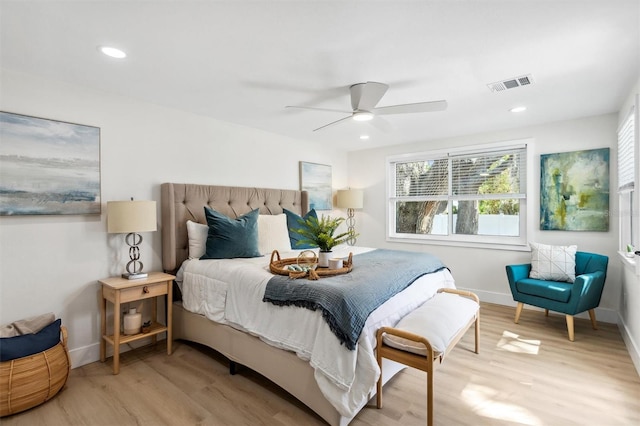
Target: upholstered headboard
pixel 181 202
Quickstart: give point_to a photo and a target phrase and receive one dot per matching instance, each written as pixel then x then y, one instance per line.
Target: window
pixel 472 196
pixel 629 211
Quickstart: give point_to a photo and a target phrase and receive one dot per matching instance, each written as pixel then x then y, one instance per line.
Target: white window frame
pixel 519 242
pixel 629 192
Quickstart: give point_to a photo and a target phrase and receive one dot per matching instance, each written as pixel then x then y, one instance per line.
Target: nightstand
pixel 121 290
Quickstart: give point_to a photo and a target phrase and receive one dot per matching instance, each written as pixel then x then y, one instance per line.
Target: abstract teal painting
pixel 316 180
pixel 574 191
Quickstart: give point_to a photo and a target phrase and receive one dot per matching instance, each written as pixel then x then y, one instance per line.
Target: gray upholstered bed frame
pixel 182 202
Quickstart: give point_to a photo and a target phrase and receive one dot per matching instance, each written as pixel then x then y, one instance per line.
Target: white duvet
pixel 230 291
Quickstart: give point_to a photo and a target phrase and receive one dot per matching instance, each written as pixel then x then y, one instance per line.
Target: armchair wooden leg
pixel 518 312
pixel 570 327
pixel 592 315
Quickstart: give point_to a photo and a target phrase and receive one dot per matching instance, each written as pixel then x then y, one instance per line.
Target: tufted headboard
pixel 181 202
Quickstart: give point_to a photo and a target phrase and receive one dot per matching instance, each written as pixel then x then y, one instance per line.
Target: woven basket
pixel 279 266
pixel 31 380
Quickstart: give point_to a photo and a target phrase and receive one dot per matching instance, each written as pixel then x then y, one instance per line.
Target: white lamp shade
pixel 350 198
pixel 131 216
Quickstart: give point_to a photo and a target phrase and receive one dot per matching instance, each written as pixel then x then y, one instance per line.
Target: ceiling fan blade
pixel 410 108
pixel 365 96
pixel 332 123
pixel 382 125
pixel 319 109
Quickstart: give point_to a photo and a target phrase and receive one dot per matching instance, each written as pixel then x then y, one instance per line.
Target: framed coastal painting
pixel 48 167
pixel 316 179
pixel 574 191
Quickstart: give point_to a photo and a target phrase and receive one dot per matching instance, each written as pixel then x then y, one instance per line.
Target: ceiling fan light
pixel 362 116
pixel 112 52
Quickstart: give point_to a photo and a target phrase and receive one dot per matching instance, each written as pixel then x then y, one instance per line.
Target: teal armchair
pixel 569 298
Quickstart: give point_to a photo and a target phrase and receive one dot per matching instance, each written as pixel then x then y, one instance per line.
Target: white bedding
pixel 230 291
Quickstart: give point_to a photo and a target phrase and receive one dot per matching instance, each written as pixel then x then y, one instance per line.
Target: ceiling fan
pixel 365 97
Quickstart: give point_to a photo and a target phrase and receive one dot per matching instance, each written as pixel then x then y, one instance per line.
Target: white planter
pixel 323 259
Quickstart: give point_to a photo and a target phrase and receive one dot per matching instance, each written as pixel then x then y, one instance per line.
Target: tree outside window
pixel 449 195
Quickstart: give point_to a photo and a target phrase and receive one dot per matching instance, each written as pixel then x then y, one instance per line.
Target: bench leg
pixel 430 397
pixel 379 384
pixel 518 312
pixel 478 331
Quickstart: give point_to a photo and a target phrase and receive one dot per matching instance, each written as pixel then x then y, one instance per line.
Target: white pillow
pixel 197 235
pixel 273 233
pixel 554 263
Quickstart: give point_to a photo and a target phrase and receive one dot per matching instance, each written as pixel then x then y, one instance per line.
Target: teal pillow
pixel 29 344
pixel 229 238
pixel 293 221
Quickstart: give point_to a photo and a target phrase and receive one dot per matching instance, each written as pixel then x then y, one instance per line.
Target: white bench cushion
pixel 439 320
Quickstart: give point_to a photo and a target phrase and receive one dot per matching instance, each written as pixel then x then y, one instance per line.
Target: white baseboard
pixel 84 355
pixel 632 346
pixel 91 353
pixel 602 314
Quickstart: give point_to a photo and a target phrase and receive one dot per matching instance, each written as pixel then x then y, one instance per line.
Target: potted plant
pixel 320 232
pixel 630 251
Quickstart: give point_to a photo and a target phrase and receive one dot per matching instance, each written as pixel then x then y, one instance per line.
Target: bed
pixel 244 344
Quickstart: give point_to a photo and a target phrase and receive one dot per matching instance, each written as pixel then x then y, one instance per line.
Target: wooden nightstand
pixel 120 290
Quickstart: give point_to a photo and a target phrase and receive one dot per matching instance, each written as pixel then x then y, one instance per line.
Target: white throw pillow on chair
pixel 553 263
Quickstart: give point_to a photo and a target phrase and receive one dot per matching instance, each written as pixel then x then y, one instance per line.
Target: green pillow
pixel 229 238
pixel 293 221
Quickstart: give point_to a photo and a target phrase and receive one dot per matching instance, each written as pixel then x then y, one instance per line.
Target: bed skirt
pixel 282 367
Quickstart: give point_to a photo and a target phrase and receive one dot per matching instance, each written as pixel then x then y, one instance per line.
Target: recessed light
pixel 518 109
pixel 364 137
pixel 362 116
pixel 112 52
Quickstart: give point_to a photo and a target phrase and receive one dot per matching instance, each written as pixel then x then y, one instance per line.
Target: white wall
pixel 483 270
pixel 51 263
pixel 630 295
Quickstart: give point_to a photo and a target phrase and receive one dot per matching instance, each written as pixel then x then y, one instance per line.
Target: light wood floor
pixel 525 374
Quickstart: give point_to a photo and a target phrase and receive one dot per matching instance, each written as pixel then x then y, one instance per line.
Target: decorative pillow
pixel 29 344
pixel 229 238
pixel 197 234
pixel 293 222
pixel 554 263
pixel 273 233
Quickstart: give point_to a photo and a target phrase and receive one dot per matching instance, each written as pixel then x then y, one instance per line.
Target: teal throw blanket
pixel 347 300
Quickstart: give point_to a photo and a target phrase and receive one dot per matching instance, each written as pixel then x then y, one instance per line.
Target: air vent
pixel 512 83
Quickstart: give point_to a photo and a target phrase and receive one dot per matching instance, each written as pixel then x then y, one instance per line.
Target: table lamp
pixel 350 199
pixel 132 217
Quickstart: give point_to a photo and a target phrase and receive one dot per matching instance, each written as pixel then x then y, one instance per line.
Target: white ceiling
pixel 244 61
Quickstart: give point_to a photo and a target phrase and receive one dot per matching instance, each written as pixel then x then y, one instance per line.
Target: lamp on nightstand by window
pixel 132 217
pixel 350 199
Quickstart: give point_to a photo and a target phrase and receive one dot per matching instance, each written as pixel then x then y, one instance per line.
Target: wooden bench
pixel 427 334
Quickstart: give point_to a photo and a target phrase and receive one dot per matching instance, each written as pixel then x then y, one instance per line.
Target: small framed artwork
pixel 48 167
pixel 574 191
pixel 316 180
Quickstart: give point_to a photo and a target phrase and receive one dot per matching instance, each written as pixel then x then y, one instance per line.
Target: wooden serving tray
pixel 279 266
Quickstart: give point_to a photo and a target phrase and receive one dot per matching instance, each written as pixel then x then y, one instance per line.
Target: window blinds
pixel 626 154
pixel 463 174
